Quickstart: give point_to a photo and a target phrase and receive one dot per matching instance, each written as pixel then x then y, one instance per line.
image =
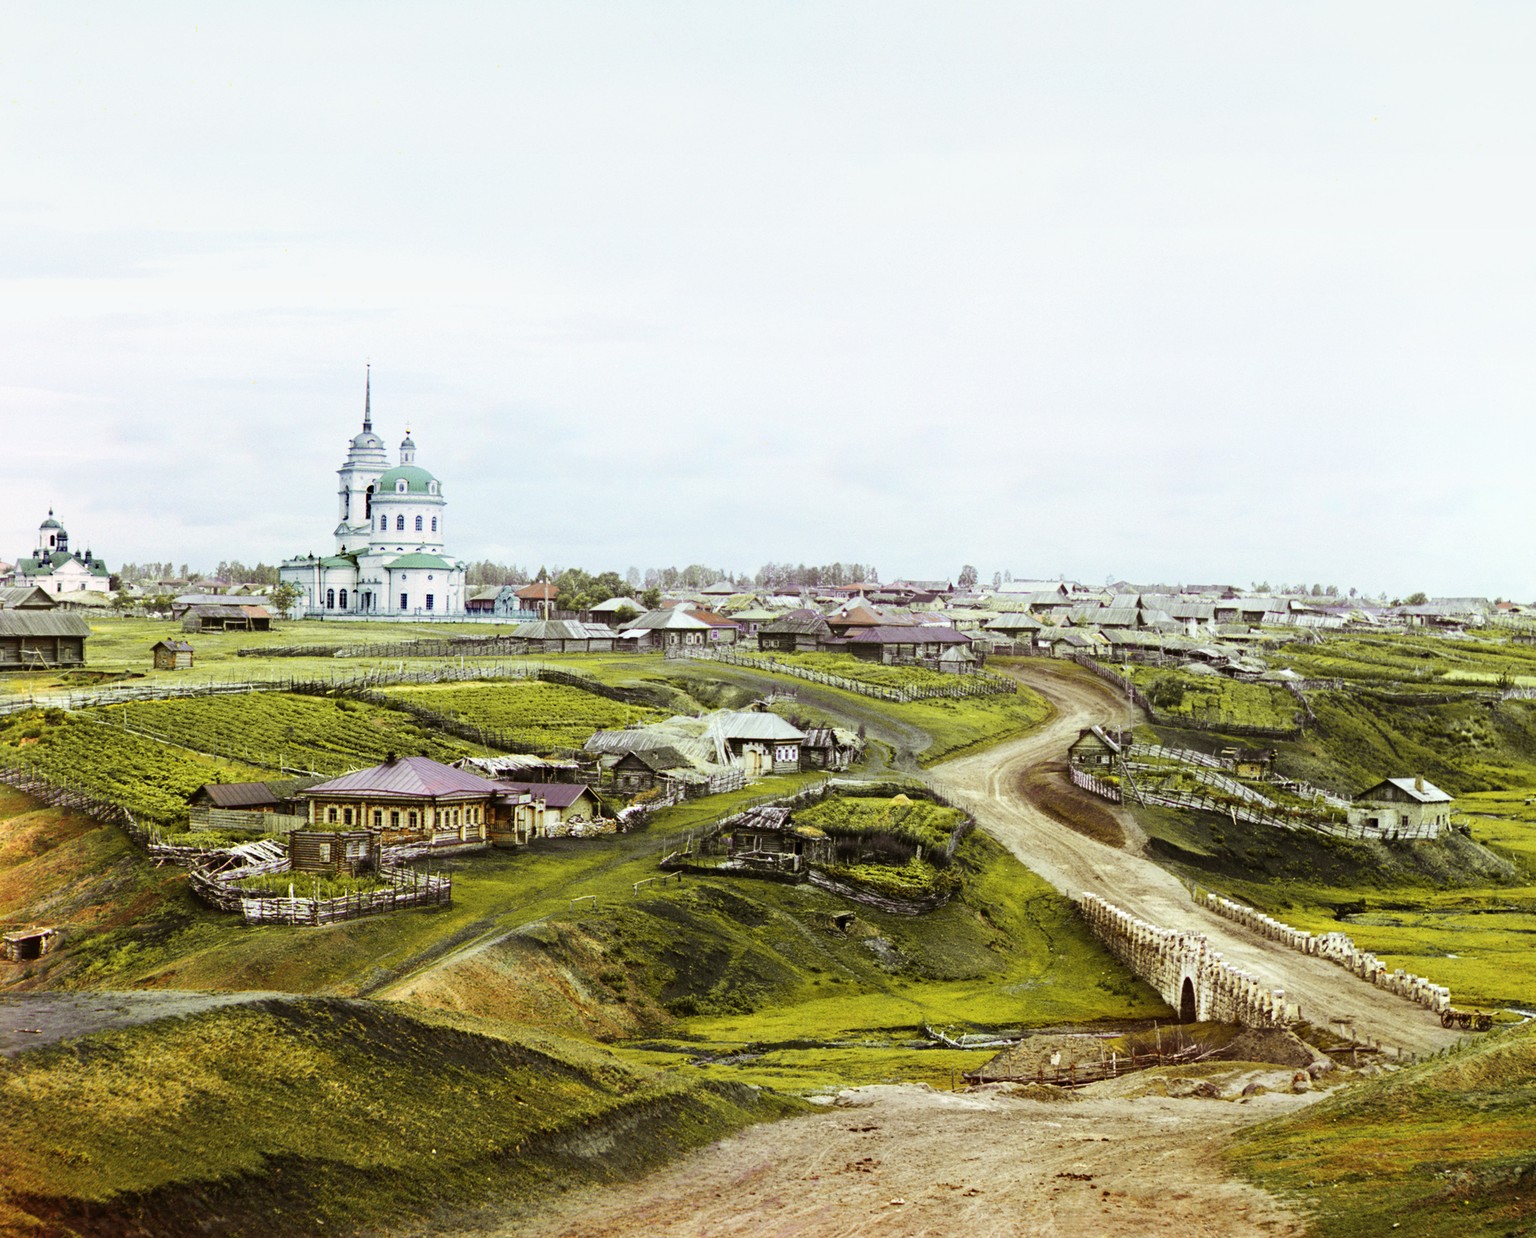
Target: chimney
pixel 1418 783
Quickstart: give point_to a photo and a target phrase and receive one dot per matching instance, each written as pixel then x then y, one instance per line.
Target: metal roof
pixel 417 560
pixel 407 778
pixel 731 724
pixel 554 794
pixel 669 621
pixel 907 636
pixel 1420 789
pixel 42 623
pixel 800 622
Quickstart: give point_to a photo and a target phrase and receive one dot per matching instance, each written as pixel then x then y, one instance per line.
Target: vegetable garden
pixel 546 716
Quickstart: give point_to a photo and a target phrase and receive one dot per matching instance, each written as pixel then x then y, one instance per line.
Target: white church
pixel 389 557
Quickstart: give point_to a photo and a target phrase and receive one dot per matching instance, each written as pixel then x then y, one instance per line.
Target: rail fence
pixel 972 684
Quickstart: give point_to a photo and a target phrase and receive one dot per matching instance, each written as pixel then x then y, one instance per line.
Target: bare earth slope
pixel 990 781
pixel 908 1161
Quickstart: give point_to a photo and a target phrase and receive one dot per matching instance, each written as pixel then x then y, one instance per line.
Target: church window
pixel 429 601
pixel 400 486
pixel 418 524
pixel 400 522
pixel 404 602
pixel 432 487
pixel 383 522
pixel 434 524
pixel 368 501
pixel 330 599
pixel 343 598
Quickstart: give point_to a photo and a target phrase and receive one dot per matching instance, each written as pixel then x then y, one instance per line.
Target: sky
pixel 1167 293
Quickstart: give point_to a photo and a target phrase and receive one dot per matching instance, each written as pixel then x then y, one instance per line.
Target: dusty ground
pixel 996 785
pixel 28 1020
pixel 908 1161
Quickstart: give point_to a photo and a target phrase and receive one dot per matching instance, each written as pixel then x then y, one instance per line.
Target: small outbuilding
pixel 41 640
pixel 334 851
pixel 172 655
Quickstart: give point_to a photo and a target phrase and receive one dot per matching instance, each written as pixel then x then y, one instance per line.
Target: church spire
pixel 368 400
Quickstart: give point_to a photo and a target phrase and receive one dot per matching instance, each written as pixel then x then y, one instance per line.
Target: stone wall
pixel 1172 962
pixel 1337 948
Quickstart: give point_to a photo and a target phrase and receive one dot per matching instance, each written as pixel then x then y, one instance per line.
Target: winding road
pixel 992 783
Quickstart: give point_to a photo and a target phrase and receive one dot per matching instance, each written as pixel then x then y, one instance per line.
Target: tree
pixel 967 577
pixel 285 597
pixel 1415 599
pixel 122 600
pixel 651 598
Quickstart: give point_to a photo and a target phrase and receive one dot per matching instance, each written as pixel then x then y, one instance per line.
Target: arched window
pixel 434 524
pixel 400 523
pixel 400 486
pixel 368 501
pixel 432 487
pixel 418 524
pixel 330 599
pixel 343 599
pixel 383 522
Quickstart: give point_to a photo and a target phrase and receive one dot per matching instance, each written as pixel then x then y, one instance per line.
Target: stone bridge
pixel 1184 968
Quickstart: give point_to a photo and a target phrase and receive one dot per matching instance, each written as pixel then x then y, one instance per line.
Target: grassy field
pixel 1480 658
pixel 876 674
pixel 273 729
pixel 548 716
pixel 1214 700
pixel 1444 1147
pixel 269 1118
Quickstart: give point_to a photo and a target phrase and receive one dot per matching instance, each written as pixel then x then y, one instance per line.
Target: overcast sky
pixel 1180 292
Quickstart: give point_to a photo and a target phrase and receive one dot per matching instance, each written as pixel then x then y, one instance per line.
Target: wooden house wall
pixel 20 652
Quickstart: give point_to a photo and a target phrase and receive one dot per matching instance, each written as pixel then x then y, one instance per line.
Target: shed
pixel 172 655
pixel 334 851
pixel 41 639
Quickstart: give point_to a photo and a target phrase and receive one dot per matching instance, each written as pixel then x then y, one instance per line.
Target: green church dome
pixel 417 481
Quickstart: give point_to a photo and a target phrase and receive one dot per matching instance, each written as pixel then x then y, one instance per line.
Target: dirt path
pixel 904 1160
pixel 993 782
pixel 28 1020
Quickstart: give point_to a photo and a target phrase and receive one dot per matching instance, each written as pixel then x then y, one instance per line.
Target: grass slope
pixel 1446 1147
pixel 272 1118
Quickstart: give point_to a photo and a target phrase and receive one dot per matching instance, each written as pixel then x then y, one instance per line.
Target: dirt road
pixel 992 782
pixel 909 1161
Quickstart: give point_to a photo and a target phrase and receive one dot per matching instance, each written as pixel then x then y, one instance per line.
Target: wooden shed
pixel 41 639
pixel 334 851
pixel 172 655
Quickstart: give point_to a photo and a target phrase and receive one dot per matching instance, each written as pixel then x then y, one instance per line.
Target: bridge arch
pixel 1189 1007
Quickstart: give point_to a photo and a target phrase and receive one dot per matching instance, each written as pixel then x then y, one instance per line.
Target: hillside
pixel 309 1115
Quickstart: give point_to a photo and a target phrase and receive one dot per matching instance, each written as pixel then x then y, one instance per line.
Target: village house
pixel 643 768
pixel 565 636
pixel 1097 747
pixel 172 655
pixel 1404 808
pixel 408 800
pixel 823 749
pixel 668 628
pixel 538 597
pixel 617 612
pixel 26 597
pixel 760 743
pixel 560 806
pixel 800 631
pixel 897 643
pixel 41 640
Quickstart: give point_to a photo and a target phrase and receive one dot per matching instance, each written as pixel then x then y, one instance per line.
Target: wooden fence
pixel 1105 790
pixel 407 888
pixel 976 683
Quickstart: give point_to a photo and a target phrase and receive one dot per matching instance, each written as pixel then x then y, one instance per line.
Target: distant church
pixel 389 556
pixel 55 569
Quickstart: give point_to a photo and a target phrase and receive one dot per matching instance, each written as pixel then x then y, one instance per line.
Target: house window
pixel 325 853
pixel 404 602
pixel 378 818
pixel 330 599
pixel 434 524
pixel 394 818
pixel 418 524
pixel 330 814
pixel 346 816
pixel 410 820
pixel 429 601
pixel 400 522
